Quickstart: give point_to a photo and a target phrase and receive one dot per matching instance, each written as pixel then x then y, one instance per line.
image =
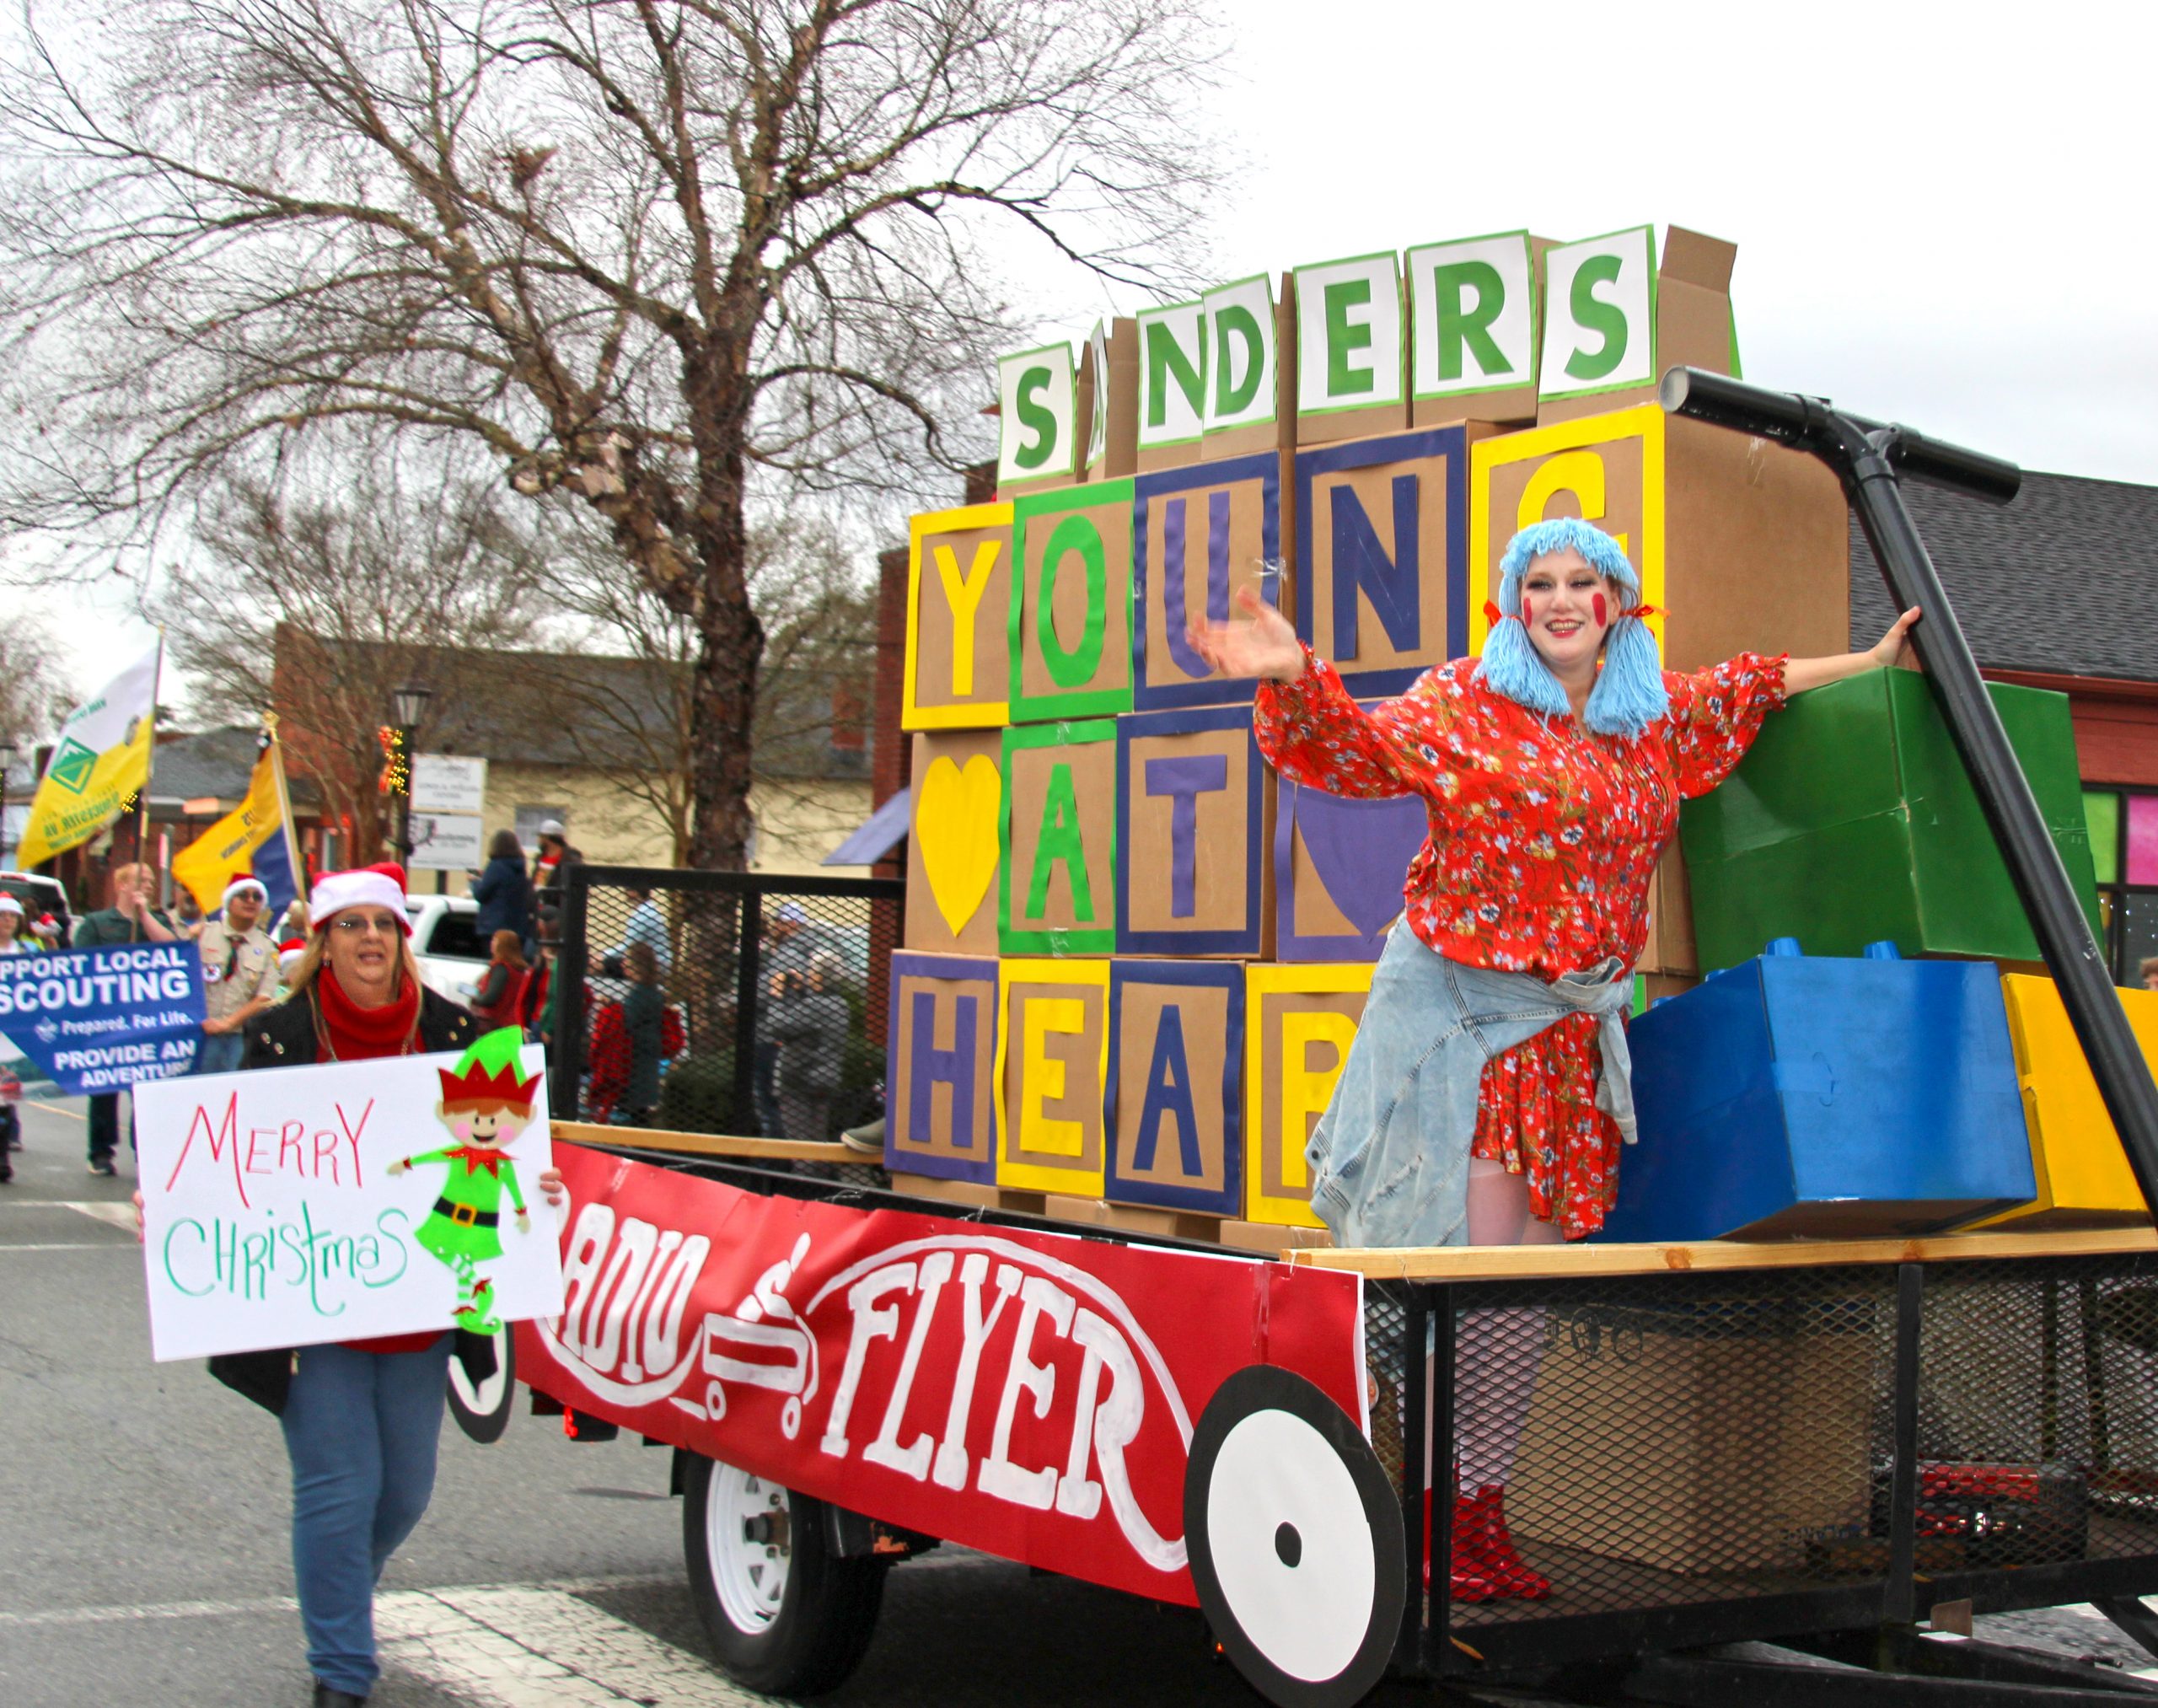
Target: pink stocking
pixel 1496 1356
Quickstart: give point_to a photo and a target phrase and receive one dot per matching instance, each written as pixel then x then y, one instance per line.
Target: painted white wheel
pixel 749 1540
pixel 1296 1541
pixel 482 1407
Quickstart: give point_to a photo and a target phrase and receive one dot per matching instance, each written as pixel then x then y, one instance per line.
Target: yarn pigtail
pixel 1630 695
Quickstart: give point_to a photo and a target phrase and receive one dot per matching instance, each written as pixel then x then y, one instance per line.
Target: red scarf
pixel 357 1033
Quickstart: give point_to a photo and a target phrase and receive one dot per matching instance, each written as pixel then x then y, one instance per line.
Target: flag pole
pixel 291 829
pixel 149 771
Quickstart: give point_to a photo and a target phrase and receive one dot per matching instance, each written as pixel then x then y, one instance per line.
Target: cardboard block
pixel 973 1195
pixel 953 845
pixel 1271 1238
pixel 1339 866
pixel 1851 820
pixel 1070 627
pixel 1173 345
pixel 1194 800
pixel 1352 349
pixel 1200 536
pixel 1610 328
pixel 1038 420
pixel 1299 1022
pixel 1382 584
pixel 1652 988
pixel 1052 1065
pixel 958 658
pixel 1670 948
pixel 2084 1178
pixel 1798 1095
pixel 1175 1086
pixel 1745 544
pixel 1473 325
pixel 939 1067
pixel 1160 1224
pixel 1057 875
pixel 1251 398
pixel 1113 433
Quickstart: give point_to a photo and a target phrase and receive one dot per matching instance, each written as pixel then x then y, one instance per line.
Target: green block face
pixel 1852 820
pixel 1056 875
pixel 1071 609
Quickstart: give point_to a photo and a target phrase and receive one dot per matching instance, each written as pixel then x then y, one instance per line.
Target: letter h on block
pixel 1175 1090
pixel 1199 535
pixel 1052 1062
pixel 1383 555
pixel 1299 1022
pixel 942 1066
pixel 1193 799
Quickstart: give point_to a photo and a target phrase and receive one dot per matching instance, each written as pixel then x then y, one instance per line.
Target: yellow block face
pixel 1299 1022
pixel 958 594
pixel 1052 1061
pixel 2084 1176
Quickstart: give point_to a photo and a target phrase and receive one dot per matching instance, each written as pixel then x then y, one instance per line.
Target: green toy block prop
pixel 1852 821
pixel 1057 870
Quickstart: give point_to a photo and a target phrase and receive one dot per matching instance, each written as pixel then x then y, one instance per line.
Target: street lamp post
pixel 408 705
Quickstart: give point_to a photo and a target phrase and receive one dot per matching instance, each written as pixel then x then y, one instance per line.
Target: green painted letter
pixel 1341 379
pixel 1166 361
pixel 1036 419
pixel 1593 316
pixel 1459 325
pixel 1075 668
pixel 1234 320
pixel 1059 840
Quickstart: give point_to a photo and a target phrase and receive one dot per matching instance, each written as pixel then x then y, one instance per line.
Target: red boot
pixel 1486 1566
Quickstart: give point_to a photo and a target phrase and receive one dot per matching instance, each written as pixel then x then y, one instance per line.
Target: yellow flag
pixel 100 762
pixel 251 839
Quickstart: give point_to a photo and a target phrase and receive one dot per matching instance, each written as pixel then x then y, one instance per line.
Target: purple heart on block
pixel 1360 851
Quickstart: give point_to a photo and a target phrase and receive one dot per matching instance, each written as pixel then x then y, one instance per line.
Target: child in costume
pixel 485 1102
pixel 1486 1097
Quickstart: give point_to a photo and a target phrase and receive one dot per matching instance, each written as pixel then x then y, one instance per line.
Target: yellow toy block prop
pixel 958 662
pixel 1052 1065
pixel 952 845
pixel 1299 1022
pixel 2084 1176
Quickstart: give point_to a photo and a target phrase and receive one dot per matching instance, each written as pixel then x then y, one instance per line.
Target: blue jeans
pixel 220 1052
pixel 361 1429
pixel 1389 1158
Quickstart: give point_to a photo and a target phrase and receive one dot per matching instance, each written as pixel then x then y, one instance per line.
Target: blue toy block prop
pixel 1198 534
pixel 1343 858
pixel 941 1050
pixel 1797 1095
pixel 1175 1139
pixel 1192 798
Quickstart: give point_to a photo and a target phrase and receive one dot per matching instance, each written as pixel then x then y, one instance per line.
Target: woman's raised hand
pixel 1262 644
pixel 1895 646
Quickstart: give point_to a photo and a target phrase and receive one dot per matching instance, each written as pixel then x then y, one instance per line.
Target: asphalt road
pixel 143 1557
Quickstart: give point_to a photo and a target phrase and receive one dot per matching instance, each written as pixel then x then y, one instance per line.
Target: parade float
pixel 1867 1343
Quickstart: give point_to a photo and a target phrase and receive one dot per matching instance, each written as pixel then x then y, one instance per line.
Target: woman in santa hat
pixel 361 1420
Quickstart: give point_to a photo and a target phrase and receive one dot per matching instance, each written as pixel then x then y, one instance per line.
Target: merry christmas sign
pixel 297 1205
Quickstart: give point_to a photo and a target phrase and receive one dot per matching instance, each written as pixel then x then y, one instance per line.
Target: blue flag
pixel 98 1020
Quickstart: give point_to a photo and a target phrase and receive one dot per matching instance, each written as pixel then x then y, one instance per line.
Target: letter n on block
pixel 952 843
pixel 1201 535
pixel 1339 869
pixel 1193 799
pixel 1070 623
pixel 1299 1022
pixel 1174 1107
pixel 942 1066
pixel 958 659
pixel 1383 554
pixel 1052 1064
pixel 1056 884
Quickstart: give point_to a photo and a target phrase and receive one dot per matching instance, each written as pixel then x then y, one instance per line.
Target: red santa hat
pixel 289 952
pixel 241 881
pixel 379 885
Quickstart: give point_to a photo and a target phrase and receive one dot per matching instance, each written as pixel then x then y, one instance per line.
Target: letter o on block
pixel 1071 625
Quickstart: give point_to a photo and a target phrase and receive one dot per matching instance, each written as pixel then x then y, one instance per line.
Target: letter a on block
pixel 1056 885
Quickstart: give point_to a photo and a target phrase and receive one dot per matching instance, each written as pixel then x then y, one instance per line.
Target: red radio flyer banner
pixel 1030 1395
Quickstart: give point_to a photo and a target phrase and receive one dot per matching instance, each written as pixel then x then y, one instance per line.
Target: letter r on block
pixel 1306 1090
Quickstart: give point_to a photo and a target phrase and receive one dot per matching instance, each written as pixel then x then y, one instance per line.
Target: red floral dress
pixel 1544 838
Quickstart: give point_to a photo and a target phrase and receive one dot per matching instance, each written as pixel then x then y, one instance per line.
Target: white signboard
pixel 1599 314
pixel 289 1207
pixel 447 842
pixel 448 782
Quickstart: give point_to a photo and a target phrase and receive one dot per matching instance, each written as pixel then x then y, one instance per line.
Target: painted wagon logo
pixel 627 1288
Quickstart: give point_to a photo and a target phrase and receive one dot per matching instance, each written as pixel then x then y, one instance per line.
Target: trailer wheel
pixel 786 1613
pixel 1296 1542
pixel 482 1407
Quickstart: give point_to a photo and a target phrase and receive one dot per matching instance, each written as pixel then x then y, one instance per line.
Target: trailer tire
pixel 798 1635
pixel 1296 1541
pixel 482 1407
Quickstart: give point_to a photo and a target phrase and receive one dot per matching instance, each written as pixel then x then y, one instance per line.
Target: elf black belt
pixel 464 1215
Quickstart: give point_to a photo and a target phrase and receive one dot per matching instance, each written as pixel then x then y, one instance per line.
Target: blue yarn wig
pixel 1628 695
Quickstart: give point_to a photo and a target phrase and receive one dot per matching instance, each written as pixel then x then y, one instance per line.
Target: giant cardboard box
pixel 1175 1086
pixel 958 656
pixel 1299 1022
pixel 1339 868
pixel 953 841
pixel 1052 1071
pixel 1057 872
pixel 1852 820
pixel 1200 536
pixel 1195 804
pixel 941 1053
pixel 1614 321
pixel 1070 610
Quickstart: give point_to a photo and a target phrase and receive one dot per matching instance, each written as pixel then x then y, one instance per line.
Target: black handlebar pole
pixel 1866 456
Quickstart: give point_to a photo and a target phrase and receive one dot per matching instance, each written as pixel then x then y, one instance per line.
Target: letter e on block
pixel 959 656
pixel 1299 1022
pixel 1175 1085
pixel 1052 1063
pixel 1383 554
pixel 941 1066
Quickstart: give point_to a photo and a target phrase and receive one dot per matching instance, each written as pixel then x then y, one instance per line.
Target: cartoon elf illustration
pixel 485 1105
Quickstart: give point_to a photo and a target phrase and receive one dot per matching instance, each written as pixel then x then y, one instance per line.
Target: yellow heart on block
pixel 955 822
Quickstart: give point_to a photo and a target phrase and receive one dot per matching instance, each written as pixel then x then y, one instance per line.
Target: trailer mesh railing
pixel 766 1016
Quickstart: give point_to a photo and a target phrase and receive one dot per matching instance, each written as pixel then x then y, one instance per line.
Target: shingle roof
pixel 2064 580
pixel 215 762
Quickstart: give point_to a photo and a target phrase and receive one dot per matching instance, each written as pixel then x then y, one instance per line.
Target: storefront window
pixel 2124 854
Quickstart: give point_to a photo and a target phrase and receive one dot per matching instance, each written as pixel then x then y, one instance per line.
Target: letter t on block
pixel 1185 779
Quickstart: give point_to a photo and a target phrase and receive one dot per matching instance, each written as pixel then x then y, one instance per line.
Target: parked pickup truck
pixel 452 956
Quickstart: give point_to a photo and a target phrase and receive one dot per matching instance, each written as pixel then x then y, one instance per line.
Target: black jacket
pixel 285 1036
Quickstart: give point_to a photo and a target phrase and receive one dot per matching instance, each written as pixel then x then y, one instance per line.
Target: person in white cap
pixel 551 864
pixel 240 973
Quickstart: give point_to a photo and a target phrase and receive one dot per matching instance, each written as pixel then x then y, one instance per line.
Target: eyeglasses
pixel 353 924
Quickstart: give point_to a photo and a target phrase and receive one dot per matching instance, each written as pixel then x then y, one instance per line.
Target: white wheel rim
pixel 747 1539
pixel 484 1398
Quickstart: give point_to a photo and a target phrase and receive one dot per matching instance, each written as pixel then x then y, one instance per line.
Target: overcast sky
pixel 1942 215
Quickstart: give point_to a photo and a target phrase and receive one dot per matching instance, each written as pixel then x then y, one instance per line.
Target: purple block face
pixel 1359 853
